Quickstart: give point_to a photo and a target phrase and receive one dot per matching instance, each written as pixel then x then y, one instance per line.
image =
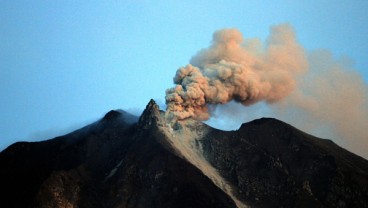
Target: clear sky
pixel 64 64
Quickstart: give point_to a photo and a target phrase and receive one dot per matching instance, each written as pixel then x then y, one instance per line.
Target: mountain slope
pixel 272 164
pixel 126 161
pixel 115 162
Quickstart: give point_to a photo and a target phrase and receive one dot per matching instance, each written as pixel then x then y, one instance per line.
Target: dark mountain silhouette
pixel 126 161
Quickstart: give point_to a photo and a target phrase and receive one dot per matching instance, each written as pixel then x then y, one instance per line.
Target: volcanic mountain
pixel 126 161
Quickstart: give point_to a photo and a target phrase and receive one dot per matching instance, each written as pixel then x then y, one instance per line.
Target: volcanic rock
pixel 126 161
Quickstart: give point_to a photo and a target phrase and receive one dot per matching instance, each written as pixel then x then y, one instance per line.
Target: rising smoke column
pixel 313 91
pixel 235 69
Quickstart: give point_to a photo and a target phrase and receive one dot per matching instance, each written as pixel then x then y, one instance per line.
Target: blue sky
pixel 64 64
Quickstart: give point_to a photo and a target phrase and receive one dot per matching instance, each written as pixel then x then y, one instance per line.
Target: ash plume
pixel 236 69
pixel 312 90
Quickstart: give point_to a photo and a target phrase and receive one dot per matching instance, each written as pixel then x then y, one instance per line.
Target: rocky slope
pixel 271 164
pixel 126 161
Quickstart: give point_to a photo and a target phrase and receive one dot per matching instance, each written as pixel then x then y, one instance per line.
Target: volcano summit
pixel 126 161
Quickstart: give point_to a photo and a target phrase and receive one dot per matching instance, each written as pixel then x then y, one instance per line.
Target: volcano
pixel 125 161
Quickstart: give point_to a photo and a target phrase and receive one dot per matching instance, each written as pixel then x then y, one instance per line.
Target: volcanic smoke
pixel 234 69
pixel 304 88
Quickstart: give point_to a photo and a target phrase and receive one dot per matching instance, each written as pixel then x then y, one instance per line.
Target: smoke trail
pixel 332 96
pixel 313 91
pixel 234 69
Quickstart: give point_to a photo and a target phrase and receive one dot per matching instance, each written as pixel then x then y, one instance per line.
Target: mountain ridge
pixel 125 161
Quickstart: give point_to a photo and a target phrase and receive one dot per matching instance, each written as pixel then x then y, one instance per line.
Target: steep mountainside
pixel 126 161
pixel 115 162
